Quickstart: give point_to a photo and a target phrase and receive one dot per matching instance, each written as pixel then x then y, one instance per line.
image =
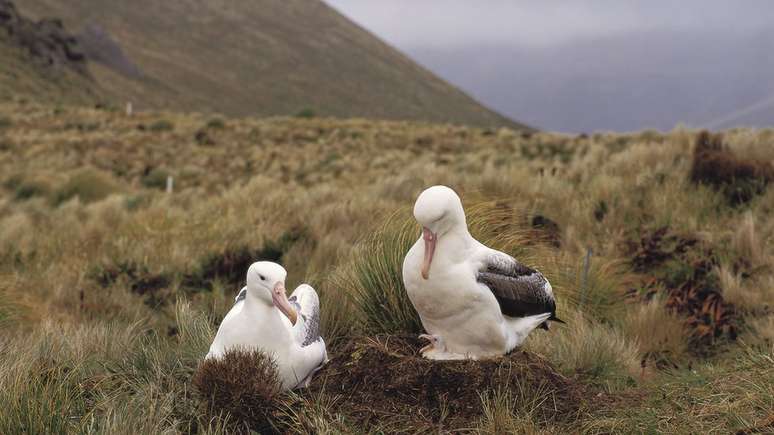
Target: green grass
pixel 87 185
pixel 374 279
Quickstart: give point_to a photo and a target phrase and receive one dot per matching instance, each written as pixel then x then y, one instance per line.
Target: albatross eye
pixel 263 278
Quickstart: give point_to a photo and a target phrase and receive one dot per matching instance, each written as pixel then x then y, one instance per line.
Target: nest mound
pixel 384 381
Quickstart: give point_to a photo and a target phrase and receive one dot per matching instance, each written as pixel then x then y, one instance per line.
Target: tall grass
pixel 597 352
pixel 373 278
pixel 109 378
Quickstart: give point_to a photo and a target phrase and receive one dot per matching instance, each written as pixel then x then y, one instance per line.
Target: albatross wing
pixel 307 304
pixel 520 290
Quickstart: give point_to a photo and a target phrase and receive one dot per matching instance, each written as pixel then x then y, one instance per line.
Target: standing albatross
pixel 473 301
pixel 264 318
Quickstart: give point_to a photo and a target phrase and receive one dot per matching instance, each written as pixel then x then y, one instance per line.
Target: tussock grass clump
pixel 32 188
pixel 88 185
pixel 595 351
pixel 739 179
pixel 307 113
pixel 383 383
pixel 658 334
pixel 243 384
pixel 156 178
pixel 216 124
pixel 161 126
pixel 374 278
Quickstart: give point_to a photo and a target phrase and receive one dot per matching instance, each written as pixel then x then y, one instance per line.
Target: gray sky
pixel 602 65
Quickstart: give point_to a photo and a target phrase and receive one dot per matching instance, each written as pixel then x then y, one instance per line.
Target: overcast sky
pixel 699 62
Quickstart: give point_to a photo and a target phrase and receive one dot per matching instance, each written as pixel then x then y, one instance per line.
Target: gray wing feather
pixel 520 290
pixel 307 304
pixel 242 295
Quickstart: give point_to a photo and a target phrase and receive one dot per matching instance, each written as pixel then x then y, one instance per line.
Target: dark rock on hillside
pixel 47 41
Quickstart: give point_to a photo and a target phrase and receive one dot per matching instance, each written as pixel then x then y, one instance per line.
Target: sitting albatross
pixel 474 302
pixel 287 329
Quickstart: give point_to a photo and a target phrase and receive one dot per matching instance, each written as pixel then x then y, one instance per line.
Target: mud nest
pixel 384 381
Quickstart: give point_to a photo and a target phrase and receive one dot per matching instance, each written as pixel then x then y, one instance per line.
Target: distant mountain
pixel 254 57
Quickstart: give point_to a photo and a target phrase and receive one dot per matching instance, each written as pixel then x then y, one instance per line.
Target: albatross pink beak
pixel 282 303
pixel 430 240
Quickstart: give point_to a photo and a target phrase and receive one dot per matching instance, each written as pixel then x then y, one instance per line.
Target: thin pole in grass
pixel 170 183
pixel 585 276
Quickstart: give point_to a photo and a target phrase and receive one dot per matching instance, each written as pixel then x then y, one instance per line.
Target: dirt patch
pixel 740 180
pixel 230 267
pixel 140 281
pixel 383 381
pixel 545 230
pixel 682 267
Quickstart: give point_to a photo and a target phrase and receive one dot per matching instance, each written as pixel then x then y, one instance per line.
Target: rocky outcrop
pixel 47 41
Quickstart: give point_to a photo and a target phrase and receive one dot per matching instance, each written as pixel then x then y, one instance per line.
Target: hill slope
pixel 40 59
pixel 274 57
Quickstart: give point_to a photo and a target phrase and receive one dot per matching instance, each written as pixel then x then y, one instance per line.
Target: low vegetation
pixel 111 288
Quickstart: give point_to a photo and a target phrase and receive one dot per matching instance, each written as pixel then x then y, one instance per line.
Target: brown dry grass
pixel 317 194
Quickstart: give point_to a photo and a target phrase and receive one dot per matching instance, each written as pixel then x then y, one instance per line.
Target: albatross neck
pixel 260 309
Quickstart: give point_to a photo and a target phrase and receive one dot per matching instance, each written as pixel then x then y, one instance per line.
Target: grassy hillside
pixel 658 247
pixel 273 57
pixel 38 61
pixel 22 77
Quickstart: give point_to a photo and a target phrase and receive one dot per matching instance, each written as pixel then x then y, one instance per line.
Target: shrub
pixel 155 179
pixel 243 384
pixel 216 124
pixel 88 185
pixel 32 188
pixel 161 125
pixel 306 113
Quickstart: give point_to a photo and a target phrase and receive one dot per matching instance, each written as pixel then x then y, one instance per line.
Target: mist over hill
pixel 593 66
pixel 621 84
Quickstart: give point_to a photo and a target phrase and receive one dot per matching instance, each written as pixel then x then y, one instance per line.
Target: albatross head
pixel 439 210
pixel 266 281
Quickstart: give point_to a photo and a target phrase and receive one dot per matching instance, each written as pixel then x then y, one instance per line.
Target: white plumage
pixel 474 302
pixel 286 329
